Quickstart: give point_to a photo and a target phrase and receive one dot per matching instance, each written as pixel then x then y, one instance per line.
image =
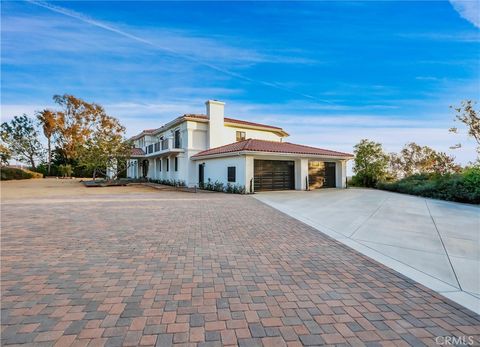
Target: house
pixel 196 149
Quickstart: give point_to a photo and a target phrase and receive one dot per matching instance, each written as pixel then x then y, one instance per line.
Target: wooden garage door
pixel 274 175
pixel 321 174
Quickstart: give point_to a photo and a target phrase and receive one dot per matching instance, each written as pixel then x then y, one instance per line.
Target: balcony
pixel 164 147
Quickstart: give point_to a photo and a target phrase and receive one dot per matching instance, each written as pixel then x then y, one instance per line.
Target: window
pixel 231 174
pixel 177 138
pixel 167 164
pixel 176 163
pixel 240 135
pixel 160 165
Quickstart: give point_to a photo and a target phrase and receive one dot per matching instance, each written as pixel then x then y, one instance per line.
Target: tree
pixel 5 154
pixel 105 148
pixel 76 122
pixel 370 164
pixel 416 159
pixel 467 115
pixel 48 121
pixel 395 167
pixel 21 137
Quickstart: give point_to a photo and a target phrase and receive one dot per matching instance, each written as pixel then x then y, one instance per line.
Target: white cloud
pixel 210 54
pixel 8 111
pixel 468 9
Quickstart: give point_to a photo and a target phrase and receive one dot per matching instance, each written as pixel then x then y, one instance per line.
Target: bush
pixel 463 187
pixel 168 182
pixel 213 186
pixel 355 181
pixel 65 170
pixel 11 173
pixel 220 187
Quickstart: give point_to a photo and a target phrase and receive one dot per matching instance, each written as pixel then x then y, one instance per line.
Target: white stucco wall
pixel 217 169
pixel 230 134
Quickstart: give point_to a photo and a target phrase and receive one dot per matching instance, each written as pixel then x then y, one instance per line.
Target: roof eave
pixel 263 153
pixel 278 131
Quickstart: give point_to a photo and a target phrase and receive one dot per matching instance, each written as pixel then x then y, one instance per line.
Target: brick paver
pixel 201 269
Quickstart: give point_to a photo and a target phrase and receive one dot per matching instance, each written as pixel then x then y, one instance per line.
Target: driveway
pixel 138 266
pixel 434 242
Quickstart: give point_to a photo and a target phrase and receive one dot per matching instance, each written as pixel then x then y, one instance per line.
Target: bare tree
pixel 467 115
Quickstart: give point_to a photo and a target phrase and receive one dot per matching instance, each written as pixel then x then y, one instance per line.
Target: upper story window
pixel 177 139
pixel 240 135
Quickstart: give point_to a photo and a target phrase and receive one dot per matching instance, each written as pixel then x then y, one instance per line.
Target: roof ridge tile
pixel 257 145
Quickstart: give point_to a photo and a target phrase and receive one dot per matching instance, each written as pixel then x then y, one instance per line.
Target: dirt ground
pixel 61 188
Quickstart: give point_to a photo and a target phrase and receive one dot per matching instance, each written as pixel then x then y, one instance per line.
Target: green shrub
pixel 355 181
pixel 65 170
pixel 168 182
pixel 463 187
pixel 220 187
pixel 11 173
pixel 209 185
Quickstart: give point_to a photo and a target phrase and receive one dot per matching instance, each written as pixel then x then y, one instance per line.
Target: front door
pixel 145 164
pixel 201 175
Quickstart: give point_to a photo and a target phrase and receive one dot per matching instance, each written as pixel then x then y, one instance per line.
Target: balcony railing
pixel 163 145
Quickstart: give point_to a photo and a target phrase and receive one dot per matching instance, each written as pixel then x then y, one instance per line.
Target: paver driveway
pixel 434 242
pixel 208 269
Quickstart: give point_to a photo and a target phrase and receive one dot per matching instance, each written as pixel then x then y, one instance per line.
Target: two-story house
pixel 195 148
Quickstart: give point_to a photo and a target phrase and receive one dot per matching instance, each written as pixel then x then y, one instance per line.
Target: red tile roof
pixel 137 151
pixel 254 145
pixel 204 117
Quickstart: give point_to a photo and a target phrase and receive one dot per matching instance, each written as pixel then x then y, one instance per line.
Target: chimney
pixel 215 114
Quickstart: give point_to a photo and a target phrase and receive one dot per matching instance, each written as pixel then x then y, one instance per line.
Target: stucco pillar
pixel 341 174
pixel 301 173
pixel 249 173
pixel 154 168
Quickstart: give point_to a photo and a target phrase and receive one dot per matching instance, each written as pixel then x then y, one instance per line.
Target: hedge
pixel 11 173
pixel 463 187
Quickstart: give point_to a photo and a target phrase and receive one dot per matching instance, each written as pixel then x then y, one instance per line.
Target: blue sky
pixel 330 73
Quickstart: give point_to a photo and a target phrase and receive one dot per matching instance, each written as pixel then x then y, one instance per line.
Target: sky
pixel 330 73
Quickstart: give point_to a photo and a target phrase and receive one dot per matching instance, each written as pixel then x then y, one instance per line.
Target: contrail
pixel 83 18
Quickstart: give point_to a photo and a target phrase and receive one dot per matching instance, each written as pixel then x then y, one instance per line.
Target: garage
pixel 274 175
pixel 321 174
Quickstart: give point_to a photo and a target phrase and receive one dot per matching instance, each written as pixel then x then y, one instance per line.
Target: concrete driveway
pixel 434 242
